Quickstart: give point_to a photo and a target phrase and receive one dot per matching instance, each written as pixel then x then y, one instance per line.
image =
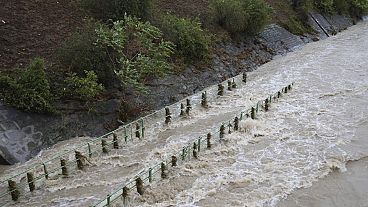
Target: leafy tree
pixel 85 88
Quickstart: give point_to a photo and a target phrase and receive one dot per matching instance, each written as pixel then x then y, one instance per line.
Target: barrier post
pixel 209 140
pixel 64 169
pixel 115 141
pixel 30 181
pixel 220 90
pixel 167 116
pixel 139 184
pixel 14 192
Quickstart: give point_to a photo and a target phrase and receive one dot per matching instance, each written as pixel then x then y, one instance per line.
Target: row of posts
pixel 80 161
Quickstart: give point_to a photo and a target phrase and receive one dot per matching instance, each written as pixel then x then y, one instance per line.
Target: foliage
pixel 190 39
pixel 238 16
pixel 79 52
pixel 30 91
pixel 136 50
pixel 359 7
pixel 341 6
pixel 85 88
pixel 295 26
pixel 117 9
pixel 325 6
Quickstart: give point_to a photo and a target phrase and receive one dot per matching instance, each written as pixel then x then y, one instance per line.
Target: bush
pixel 239 16
pixel 117 9
pixel 341 6
pixel 325 6
pixel 359 8
pixel 79 52
pixel 30 91
pixel 85 88
pixel 295 26
pixel 190 39
pixel 135 49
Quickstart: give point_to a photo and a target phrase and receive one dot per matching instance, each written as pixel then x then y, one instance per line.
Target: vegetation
pixel 192 42
pixel 238 16
pixel 325 6
pixel 30 91
pixel 135 49
pixel 85 88
pixel 117 9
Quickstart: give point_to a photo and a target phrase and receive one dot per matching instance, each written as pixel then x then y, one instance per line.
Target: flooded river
pixel 294 155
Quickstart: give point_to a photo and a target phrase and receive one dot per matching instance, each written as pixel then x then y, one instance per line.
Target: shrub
pixel 325 6
pixel 85 88
pixel 238 16
pixel 117 9
pixel 341 6
pixel 30 91
pixel 136 50
pixel 295 26
pixel 190 39
pixel 359 8
pixel 79 52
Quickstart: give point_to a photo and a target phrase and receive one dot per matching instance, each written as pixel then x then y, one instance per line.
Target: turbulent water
pixel 307 134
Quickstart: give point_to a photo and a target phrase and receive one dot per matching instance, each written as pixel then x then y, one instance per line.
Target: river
pixel 288 156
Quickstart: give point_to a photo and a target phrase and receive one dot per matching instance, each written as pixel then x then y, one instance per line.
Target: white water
pixel 317 127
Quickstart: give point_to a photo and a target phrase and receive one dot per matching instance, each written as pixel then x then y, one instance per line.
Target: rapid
pixel 307 137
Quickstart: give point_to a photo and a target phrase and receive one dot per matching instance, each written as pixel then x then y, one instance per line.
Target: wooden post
pixel 266 104
pixel 253 113
pixel 222 131
pixel 278 94
pixel 204 100
pixel 182 107
pixel 137 131
pixel 220 90
pixel 286 89
pixel 195 152
pixel 189 107
pixel 209 140
pixel 233 85
pixel 30 181
pixel 236 124
pixel 79 159
pixel 167 116
pixel 174 161
pixel 140 187
pixel 229 85
pixel 245 77
pixel 125 192
pixel 115 141
pixel 143 128
pixel 289 87
pixel 163 171
pixel 64 169
pixel 14 192
pixel 104 146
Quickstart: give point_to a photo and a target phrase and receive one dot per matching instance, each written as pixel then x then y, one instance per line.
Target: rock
pixel 315 39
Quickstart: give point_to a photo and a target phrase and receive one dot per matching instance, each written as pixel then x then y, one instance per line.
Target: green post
pixel 30 181
pixel 189 107
pixel 143 128
pixel 233 85
pixel 115 141
pixel 182 109
pixel 245 77
pixel 222 131
pixel 266 104
pixel 229 85
pixel 163 171
pixel 150 175
pixel 183 154
pixel 125 135
pixel 204 100
pixel 104 146
pixel 229 125
pixel 108 199
pixel 199 144
pixel 241 116
pixel 257 107
pixel 209 140
pixel 137 131
pixel 236 124
pixel 89 150
pixel 195 152
pixel 220 90
pixel 45 171
pixel 64 169
pixel 253 113
pixel 14 192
